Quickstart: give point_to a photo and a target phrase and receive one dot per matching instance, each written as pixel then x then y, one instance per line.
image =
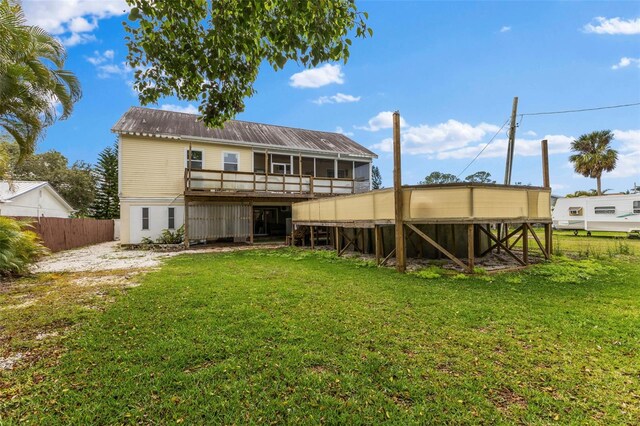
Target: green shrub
pixel 19 246
pixel 168 237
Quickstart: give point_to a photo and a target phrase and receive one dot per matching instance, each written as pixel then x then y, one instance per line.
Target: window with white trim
pixel 230 161
pixel 145 218
pixel 575 211
pixel 605 210
pixel 197 159
pixel 171 218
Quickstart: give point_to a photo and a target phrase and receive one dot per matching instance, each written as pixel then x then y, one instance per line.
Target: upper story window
pixel 636 207
pixel 197 159
pixel 230 161
pixel 575 211
pixel 145 218
pixel 605 210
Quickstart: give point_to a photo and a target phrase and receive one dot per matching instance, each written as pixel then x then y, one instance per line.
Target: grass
pixel 299 337
pixel 598 245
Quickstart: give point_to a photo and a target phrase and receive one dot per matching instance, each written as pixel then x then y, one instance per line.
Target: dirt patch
pixel 7 363
pixel 505 398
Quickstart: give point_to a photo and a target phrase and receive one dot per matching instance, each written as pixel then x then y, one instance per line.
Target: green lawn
pixel 299 337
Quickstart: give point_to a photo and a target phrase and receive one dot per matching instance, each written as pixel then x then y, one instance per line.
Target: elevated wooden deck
pixel 462 220
pixel 431 204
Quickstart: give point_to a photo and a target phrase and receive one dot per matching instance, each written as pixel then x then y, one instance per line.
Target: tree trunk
pixel 599 185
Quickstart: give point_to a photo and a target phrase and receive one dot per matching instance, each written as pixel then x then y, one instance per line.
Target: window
pixel 575 211
pixel 281 168
pixel 145 218
pixel 197 159
pixel 636 207
pixel 604 210
pixel 172 218
pixel 230 160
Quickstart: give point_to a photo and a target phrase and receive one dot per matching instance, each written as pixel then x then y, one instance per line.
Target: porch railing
pixel 231 181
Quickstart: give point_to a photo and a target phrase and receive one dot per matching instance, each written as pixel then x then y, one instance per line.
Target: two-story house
pixel 236 183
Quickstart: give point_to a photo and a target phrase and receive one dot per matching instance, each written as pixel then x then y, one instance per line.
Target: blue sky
pixel 451 68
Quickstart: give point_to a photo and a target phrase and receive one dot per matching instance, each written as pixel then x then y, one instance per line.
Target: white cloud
pixel 106 66
pixel 457 140
pixel 505 29
pixel 100 58
pixel 338 98
pixel 625 62
pixel 523 147
pixel 613 26
pixel 72 21
pixel 188 109
pixel 530 133
pixel 384 120
pixel 628 154
pixel 343 132
pixel 317 77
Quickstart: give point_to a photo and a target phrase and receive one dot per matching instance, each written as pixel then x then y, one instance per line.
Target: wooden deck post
pixel 311 236
pixel 470 247
pixel 401 260
pixel 186 222
pixel 338 240
pixel 377 231
pixel 251 224
pixel 525 244
pixel 546 182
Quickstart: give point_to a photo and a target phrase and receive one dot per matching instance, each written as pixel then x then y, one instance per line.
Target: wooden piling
pixel 546 182
pixel 401 260
pixel 470 248
pixel 525 244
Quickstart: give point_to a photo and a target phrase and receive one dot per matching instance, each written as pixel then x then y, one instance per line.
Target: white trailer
pixel 619 213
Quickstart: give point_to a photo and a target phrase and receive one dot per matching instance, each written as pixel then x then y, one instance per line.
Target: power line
pixel 581 110
pixel 485 147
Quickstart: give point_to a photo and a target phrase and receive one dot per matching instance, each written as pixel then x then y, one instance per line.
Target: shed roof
pixel 178 125
pixel 16 188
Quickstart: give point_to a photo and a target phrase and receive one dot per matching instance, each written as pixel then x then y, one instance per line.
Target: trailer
pixel 619 213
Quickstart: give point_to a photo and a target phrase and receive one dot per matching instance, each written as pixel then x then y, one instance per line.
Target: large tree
pixel 76 184
pixel 107 204
pixel 211 51
pixel 33 82
pixel 594 155
pixel 438 177
pixel 376 178
pixel 480 177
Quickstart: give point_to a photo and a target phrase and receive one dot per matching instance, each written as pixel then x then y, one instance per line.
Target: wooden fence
pixel 66 233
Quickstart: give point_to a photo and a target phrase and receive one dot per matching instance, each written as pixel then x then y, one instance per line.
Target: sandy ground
pixel 109 256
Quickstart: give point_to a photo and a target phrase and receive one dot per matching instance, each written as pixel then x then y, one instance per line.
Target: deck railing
pixel 232 181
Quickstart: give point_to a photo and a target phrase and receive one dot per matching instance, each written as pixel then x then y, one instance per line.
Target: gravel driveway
pixel 109 256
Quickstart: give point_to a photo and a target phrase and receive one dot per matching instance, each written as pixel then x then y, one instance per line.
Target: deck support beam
pixel 439 247
pixel 535 237
pixel 311 237
pixel 525 243
pixel 503 239
pixel 377 232
pixel 186 221
pixel 401 255
pixel 470 247
pixel 501 243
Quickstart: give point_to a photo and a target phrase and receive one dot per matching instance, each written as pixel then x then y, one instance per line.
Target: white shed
pixel 32 198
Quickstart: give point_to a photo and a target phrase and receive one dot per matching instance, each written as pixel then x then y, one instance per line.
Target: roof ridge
pixel 247 121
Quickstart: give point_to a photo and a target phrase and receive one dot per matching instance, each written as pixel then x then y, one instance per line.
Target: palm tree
pixel 593 155
pixel 33 82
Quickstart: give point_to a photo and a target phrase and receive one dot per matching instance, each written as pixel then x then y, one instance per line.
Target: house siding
pixel 153 167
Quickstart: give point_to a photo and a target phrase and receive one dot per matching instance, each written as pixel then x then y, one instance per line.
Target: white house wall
pixel 36 203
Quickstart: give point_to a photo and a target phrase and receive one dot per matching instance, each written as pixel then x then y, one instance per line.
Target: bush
pixel 166 237
pixel 19 246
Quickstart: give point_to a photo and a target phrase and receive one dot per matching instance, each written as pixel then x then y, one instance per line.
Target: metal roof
pixel 16 188
pixel 178 125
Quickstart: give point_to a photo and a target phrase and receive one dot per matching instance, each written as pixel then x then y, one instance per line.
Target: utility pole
pixel 512 140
